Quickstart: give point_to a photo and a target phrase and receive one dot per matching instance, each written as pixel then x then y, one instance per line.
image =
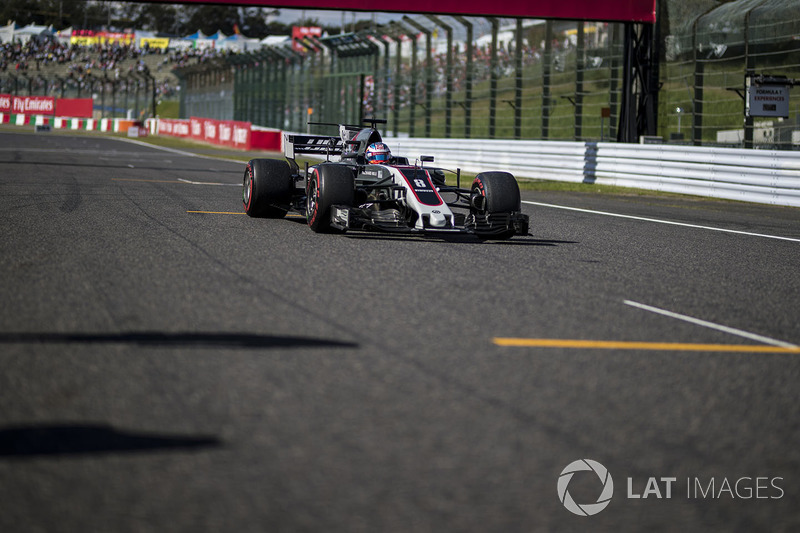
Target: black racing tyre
pixel 267 188
pixel 495 192
pixel 327 185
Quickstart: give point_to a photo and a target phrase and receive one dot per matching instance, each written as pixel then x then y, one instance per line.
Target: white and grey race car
pixel 346 192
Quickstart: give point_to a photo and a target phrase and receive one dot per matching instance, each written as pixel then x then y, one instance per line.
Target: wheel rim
pixel 247 190
pixel 478 201
pixel 311 199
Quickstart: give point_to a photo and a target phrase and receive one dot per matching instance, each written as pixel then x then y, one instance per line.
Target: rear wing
pixel 321 145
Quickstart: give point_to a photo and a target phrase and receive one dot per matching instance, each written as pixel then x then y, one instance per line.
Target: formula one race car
pixel 368 188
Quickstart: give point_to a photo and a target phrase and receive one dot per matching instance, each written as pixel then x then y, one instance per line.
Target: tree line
pixel 171 19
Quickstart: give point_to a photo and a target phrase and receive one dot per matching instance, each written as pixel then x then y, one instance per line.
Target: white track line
pixel 658 221
pixel 176 151
pixel 209 183
pixel 712 325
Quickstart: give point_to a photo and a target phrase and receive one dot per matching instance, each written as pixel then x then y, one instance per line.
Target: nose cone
pixel 437 220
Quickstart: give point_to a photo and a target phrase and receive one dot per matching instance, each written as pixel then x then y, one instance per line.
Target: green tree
pixel 159 17
pixel 209 19
pixel 20 11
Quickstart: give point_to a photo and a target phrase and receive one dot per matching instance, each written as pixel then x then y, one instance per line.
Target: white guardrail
pixel 762 176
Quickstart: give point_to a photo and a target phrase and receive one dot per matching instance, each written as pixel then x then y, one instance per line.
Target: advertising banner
pixel 196 125
pixel 107 37
pixel 230 133
pixel 266 139
pixel 74 107
pixel 300 32
pixel 210 130
pixel 234 134
pixel 174 127
pixel 154 42
pixel 33 105
pixel 84 40
pixel 241 135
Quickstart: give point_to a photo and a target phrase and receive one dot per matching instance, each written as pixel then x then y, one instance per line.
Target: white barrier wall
pixel 762 176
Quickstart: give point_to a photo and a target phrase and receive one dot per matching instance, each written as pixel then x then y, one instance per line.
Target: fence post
pixel 579 74
pixel 448 111
pixel 247 108
pixel 613 102
pixel 467 77
pixel 387 69
pixel 412 105
pixel 238 87
pixel 697 99
pixel 385 76
pixel 493 79
pixel 627 122
pixel 398 38
pixel 749 71
pixel 518 82
pixel 546 73
pixel 428 71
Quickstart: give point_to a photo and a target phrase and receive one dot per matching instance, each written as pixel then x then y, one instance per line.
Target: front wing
pixel 488 225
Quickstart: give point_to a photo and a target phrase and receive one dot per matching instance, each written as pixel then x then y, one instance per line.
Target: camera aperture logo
pixel 585 509
pixel 663 487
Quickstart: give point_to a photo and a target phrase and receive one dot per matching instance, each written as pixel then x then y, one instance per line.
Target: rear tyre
pixel 267 188
pixel 327 185
pixel 494 193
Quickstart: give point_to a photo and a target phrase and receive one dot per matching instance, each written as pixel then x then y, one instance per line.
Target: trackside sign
pixel 33 105
pixel 46 105
pixel 768 101
pixel 230 133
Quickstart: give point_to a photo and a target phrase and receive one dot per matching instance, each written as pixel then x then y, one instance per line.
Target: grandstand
pixel 110 71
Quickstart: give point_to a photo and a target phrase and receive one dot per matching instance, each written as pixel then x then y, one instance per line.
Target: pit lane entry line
pixel 659 221
pixel 712 325
pixel 774 346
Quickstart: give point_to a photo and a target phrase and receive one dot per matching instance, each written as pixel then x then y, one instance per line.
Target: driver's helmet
pixel 377 153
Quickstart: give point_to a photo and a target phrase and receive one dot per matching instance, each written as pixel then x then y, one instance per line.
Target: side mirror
pixel 426 158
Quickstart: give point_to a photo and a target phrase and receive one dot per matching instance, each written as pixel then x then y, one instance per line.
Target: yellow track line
pixel 234 213
pixel 622 345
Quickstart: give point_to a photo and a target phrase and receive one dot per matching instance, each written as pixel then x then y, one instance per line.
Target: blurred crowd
pixel 83 64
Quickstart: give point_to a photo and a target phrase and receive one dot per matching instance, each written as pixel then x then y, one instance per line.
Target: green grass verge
pixel 168 109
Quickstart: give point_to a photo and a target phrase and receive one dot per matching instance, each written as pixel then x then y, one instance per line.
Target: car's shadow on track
pixel 37 440
pixel 176 340
pixel 456 239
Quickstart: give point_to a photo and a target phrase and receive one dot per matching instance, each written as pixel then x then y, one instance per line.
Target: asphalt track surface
pixel 166 366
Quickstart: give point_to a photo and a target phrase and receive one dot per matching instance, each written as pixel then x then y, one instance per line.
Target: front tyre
pixel 267 188
pixel 494 197
pixel 327 185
